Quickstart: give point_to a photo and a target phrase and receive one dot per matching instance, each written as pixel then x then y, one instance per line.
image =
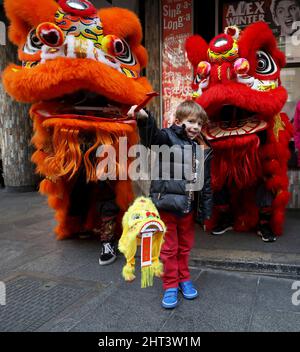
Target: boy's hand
pixel 139 115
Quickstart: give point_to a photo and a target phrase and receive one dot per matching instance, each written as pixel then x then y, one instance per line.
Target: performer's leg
pixel 80 201
pixel 107 220
pixel 225 221
pixel 265 199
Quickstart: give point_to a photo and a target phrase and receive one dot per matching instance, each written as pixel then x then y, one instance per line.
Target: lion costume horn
pixel 142 226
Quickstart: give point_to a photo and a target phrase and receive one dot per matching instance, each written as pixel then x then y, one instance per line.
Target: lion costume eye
pixel 136 217
pixel 265 63
pixel 33 44
pixel 126 56
pixel 118 49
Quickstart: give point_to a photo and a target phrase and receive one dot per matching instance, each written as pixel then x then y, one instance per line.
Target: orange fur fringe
pixel 59 156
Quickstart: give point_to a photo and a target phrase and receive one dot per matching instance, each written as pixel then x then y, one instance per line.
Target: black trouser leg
pixel 107 211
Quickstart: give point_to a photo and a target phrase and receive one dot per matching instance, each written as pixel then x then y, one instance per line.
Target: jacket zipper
pixel 190 194
pixel 198 203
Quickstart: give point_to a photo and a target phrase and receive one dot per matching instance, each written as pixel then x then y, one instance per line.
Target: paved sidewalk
pixel 247 252
pixel 59 286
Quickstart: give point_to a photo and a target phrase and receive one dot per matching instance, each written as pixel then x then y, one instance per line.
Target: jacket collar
pixel 180 131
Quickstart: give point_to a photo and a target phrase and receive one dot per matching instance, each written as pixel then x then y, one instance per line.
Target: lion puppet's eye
pixel 265 63
pixel 119 49
pixel 136 217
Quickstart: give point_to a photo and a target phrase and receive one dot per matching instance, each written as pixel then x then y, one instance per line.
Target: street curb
pixel 247 266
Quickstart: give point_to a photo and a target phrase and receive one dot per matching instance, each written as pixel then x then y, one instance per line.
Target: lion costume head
pixel 81 71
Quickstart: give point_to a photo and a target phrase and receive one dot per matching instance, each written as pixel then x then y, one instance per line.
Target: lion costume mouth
pixel 86 106
pixel 238 116
pixel 231 121
pixel 152 226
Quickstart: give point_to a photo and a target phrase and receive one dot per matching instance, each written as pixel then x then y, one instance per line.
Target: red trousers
pixel 179 240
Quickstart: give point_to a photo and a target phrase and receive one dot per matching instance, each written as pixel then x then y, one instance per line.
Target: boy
pixel 175 204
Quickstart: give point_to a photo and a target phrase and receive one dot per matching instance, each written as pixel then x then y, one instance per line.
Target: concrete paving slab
pixel 126 310
pixel 32 301
pixel 224 304
pixel 276 293
pixel 61 261
pixel 275 321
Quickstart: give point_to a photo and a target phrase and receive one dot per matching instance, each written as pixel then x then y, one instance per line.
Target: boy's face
pixel 192 124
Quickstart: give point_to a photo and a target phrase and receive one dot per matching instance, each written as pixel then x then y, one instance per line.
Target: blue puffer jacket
pixel 171 195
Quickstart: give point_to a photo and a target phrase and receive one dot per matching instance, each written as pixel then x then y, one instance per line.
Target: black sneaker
pixel 220 229
pixel 266 233
pixel 225 224
pixel 108 253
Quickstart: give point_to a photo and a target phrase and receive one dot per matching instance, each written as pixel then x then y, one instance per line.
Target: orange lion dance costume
pixel 81 70
pixel 238 83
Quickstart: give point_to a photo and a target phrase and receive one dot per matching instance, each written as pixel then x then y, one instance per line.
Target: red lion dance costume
pixel 81 70
pixel 238 84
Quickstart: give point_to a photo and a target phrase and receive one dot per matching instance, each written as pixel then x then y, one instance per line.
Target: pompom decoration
pixel 203 69
pixel 241 66
pixel 113 45
pixel 233 31
pixel 50 34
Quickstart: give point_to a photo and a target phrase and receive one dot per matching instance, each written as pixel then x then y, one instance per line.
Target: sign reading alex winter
pixel 243 13
pixel 177 73
pixel 283 17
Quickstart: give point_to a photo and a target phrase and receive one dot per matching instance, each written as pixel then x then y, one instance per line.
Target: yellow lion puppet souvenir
pixel 143 227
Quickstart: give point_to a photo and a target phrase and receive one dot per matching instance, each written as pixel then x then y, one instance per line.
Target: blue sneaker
pixel 170 300
pixel 188 290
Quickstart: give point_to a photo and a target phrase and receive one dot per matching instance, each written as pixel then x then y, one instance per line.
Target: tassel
pixel 147 276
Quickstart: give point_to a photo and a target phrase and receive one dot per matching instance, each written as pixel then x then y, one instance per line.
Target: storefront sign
pixel 177 72
pixel 283 17
pixel 243 13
